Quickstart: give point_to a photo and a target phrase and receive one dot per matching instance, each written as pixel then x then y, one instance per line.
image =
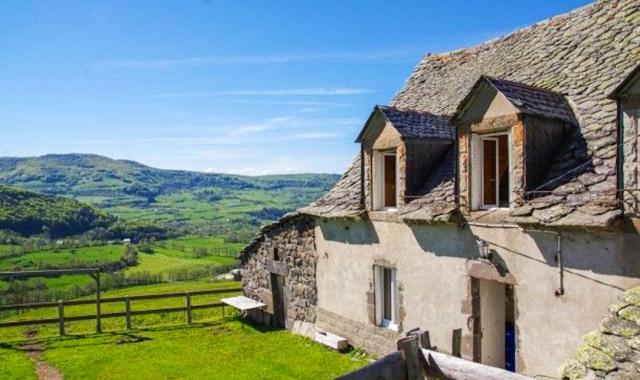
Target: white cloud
pixel 381 56
pixel 303 103
pixel 284 165
pixel 315 91
pixel 316 135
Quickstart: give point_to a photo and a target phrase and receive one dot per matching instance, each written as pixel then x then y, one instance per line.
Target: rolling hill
pixel 221 204
pixel 28 213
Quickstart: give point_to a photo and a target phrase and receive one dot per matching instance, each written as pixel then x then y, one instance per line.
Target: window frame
pixel 381 321
pixel 379 174
pixel 478 193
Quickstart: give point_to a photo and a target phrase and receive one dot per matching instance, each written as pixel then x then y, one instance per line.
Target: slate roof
pixel 416 125
pixel 438 200
pixel 584 55
pixel 344 199
pixel 528 99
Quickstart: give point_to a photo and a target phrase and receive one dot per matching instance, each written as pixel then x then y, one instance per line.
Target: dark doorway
pixel 278 289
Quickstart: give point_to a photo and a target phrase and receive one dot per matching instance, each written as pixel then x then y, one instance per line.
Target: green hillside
pixel 219 204
pixel 29 213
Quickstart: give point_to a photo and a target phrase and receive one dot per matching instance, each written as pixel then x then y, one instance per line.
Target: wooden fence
pixel 61 319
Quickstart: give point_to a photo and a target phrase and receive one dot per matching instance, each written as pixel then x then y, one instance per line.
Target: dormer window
pixel 385 178
pixel 495 173
pixel 508 135
pixel 400 149
pixel 627 95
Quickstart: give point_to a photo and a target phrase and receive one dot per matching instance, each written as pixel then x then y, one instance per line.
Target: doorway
pixel 493 312
pixel 278 289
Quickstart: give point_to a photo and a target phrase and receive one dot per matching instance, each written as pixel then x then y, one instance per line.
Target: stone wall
pixel 285 248
pixel 612 351
pixel 371 338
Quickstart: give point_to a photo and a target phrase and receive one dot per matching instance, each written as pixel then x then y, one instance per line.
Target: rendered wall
pixel 434 286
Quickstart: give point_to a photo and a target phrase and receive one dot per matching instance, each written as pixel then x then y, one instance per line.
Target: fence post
pixel 456 343
pixel 98 314
pixel 127 310
pixel 411 353
pixel 61 317
pixel 188 307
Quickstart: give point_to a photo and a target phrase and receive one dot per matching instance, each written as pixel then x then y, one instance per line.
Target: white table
pixel 242 303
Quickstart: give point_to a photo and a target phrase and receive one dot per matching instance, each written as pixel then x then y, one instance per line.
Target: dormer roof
pixel 525 98
pixel 412 124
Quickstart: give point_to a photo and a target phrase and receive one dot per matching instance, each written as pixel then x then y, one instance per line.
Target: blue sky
pixel 249 87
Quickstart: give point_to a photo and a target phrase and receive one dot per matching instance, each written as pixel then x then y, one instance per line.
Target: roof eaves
pixel 376 109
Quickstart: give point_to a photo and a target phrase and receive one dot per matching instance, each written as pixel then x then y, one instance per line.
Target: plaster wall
pixel 487 103
pixel 434 286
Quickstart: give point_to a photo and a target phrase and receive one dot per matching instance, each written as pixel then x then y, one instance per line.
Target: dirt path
pixel 44 370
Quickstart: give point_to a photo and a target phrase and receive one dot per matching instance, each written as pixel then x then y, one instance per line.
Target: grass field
pixel 65 258
pixel 170 258
pixel 163 347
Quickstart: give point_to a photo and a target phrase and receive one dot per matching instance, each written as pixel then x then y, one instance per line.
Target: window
pixel 386 291
pixel 385 193
pixel 491 171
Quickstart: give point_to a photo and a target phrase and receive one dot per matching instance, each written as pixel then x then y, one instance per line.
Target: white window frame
pixel 378 179
pixel 477 186
pixel 392 323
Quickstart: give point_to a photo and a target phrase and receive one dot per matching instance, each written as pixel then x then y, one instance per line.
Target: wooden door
pixel 490 172
pixel 389 180
pixel 278 290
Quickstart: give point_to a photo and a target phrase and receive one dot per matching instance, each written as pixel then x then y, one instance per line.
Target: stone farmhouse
pixel 497 193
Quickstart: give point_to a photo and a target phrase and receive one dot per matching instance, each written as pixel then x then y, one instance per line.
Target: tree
pixel 130 255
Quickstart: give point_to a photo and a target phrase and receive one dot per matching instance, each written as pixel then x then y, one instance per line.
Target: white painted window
pixel 385 180
pixel 386 293
pixel 490 171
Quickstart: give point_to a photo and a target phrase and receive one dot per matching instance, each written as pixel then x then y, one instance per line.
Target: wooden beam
pixel 449 367
pixel 47 273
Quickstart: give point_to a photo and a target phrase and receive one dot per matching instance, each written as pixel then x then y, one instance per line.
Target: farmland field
pixel 183 258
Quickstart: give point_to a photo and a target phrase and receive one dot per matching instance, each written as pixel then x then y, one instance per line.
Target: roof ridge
pixel 522 84
pixel 436 56
pixel 413 111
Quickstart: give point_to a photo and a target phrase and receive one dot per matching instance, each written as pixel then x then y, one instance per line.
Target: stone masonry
pixel 612 351
pixel 285 248
pixel 371 338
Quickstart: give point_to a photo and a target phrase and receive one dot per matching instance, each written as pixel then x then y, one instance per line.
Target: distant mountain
pixel 29 213
pixel 200 202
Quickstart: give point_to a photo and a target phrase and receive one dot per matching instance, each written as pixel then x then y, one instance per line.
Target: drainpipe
pixel 560 286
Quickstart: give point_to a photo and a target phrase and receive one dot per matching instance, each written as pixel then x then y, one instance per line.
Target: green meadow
pixel 164 347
